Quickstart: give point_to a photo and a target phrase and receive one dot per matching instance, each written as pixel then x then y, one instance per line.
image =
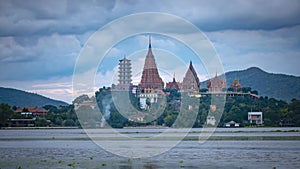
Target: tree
pixel 254 92
pixel 69 122
pixel 294 111
pixel 5 113
pixel 203 90
pixel 81 99
pixel 41 122
pixel 51 108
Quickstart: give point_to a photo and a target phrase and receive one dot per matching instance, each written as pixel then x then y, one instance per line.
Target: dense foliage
pixel 5 113
pixel 275 112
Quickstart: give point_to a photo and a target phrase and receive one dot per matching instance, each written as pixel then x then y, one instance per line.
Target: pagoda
pixel 124 74
pixel 151 85
pixel 190 81
pixel 150 77
pixel 236 85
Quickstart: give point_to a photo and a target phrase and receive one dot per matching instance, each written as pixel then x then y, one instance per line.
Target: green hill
pixel 21 98
pixel 279 86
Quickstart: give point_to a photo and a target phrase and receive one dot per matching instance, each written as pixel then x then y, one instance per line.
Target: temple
pixel 151 85
pixel 150 77
pixel 173 85
pixel 216 85
pixel 190 81
pixel 236 86
pixel 150 89
pixel 124 74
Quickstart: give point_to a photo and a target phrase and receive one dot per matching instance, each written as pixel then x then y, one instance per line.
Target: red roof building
pixel 173 84
pixel 36 111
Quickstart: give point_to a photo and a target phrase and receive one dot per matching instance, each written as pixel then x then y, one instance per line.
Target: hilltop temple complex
pixel 151 85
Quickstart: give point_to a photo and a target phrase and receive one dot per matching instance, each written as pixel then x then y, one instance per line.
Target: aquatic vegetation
pixel 72 164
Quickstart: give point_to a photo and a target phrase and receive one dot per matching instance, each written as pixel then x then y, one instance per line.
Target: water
pixel 71 148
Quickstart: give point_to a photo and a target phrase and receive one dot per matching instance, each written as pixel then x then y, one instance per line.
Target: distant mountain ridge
pixel 20 98
pixel 279 86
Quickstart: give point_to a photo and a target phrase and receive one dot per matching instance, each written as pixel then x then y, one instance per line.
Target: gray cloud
pixel 51 56
pixel 275 51
pixel 40 39
pixel 27 18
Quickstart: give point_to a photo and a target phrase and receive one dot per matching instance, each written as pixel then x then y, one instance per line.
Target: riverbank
pixel 194 134
pixel 35 128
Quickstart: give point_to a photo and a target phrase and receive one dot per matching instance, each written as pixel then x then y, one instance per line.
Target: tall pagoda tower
pixel 150 77
pixel 124 74
pixel 191 81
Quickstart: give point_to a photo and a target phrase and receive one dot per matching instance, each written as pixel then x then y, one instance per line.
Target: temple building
pixel 124 74
pixel 151 85
pixel 216 85
pixel 173 84
pixel 236 86
pixel 150 77
pixel 190 81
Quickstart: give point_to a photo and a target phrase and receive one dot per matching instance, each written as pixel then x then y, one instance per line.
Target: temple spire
pixel 191 80
pixel 149 41
pixel 150 76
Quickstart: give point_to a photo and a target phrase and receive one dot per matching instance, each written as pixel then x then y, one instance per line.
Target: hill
pixel 279 86
pixel 20 98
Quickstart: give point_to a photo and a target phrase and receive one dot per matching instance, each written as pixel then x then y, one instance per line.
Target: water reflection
pixel 37 149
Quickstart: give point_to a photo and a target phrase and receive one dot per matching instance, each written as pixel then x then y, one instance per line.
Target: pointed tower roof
pixel 150 76
pixel 150 60
pixel 191 80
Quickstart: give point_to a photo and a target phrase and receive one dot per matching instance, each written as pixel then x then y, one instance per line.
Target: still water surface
pixel 71 148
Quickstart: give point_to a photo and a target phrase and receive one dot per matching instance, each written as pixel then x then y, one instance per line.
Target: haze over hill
pixel 279 86
pixel 20 98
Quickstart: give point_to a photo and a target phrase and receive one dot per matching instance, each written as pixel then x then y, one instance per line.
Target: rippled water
pixel 61 148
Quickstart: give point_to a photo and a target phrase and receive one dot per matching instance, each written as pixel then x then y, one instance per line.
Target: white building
pixel 153 97
pixel 255 118
pixel 211 120
pixel 124 74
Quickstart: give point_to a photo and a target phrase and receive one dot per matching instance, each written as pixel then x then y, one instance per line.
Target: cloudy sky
pixel 41 40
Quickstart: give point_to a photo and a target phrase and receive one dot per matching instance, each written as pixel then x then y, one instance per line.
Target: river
pixel 227 148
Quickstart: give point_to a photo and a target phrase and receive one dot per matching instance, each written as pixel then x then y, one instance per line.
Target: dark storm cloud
pixel 214 15
pixel 24 18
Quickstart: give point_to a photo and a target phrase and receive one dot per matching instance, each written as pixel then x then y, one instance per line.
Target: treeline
pixel 275 112
pixel 56 116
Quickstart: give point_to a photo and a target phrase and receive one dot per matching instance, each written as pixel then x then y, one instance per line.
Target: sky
pixel 41 40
